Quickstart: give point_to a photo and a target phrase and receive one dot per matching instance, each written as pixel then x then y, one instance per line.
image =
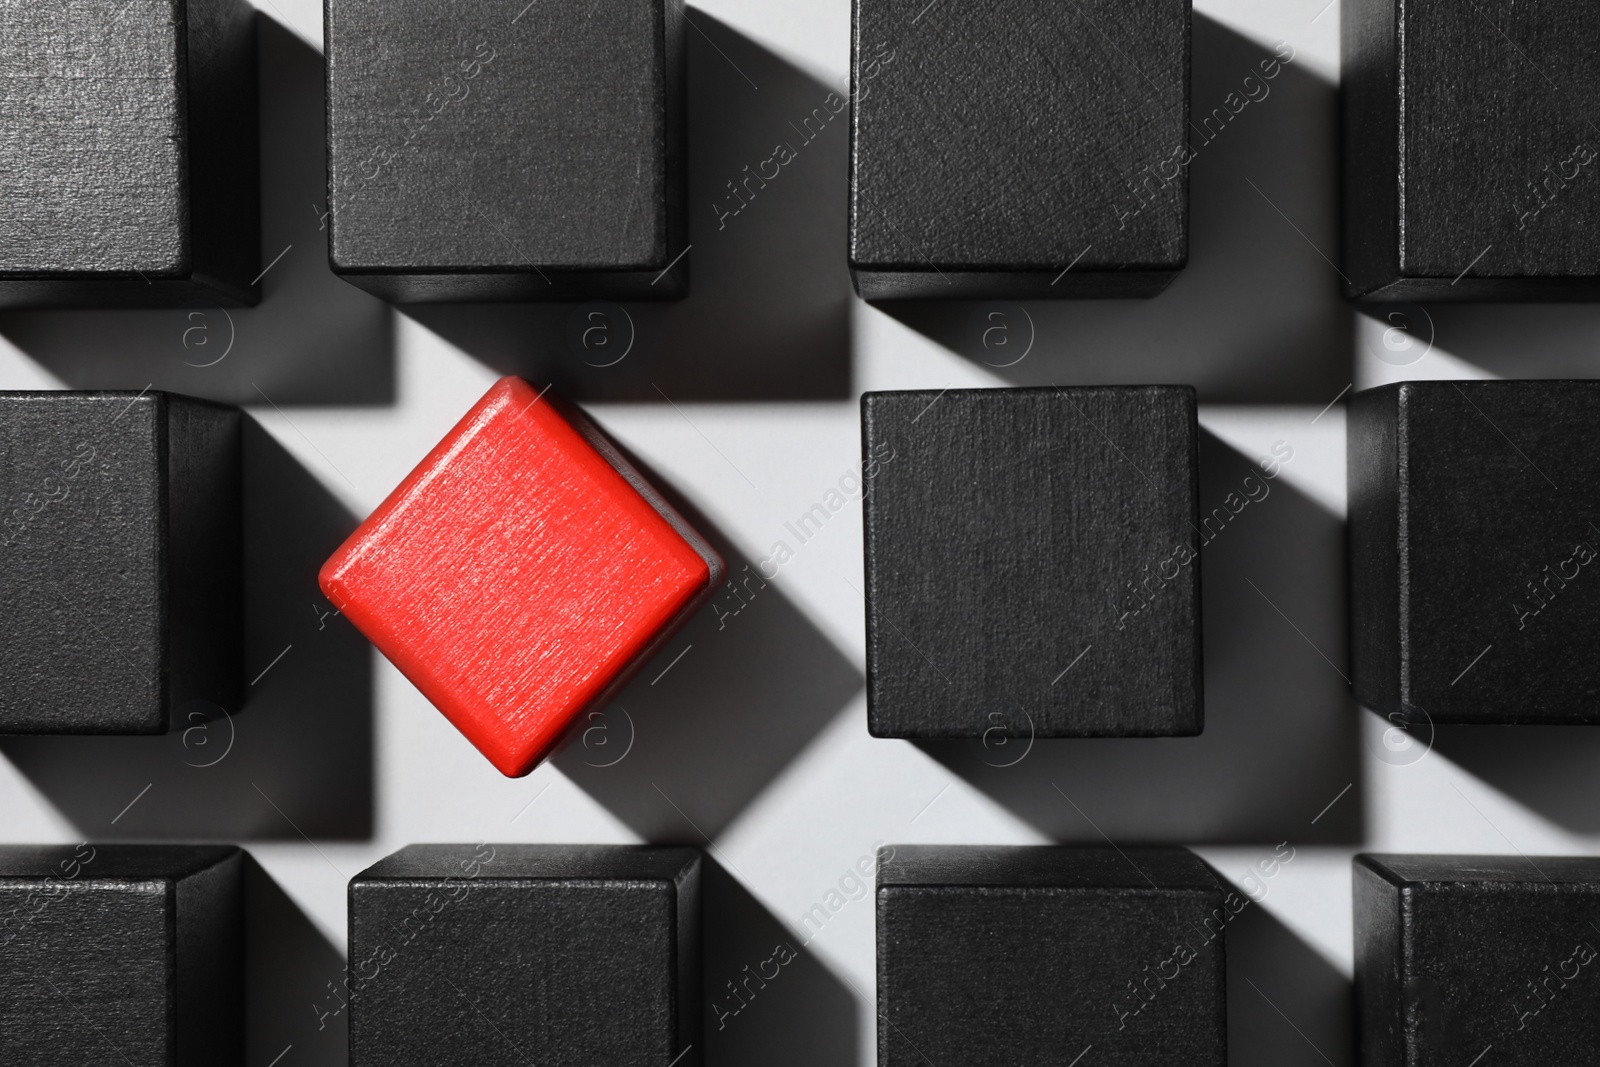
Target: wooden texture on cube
pixel 128 153
pixel 121 954
pixel 1470 163
pixel 507 153
pixel 502 955
pixel 992 956
pixel 1032 562
pixel 121 543
pixel 1456 955
pixel 1474 586
pixel 994 146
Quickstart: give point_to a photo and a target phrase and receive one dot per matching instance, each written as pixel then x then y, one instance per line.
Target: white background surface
pixel 838 791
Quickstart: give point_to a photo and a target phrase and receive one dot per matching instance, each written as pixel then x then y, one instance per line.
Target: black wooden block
pixel 1477 959
pixel 1019 149
pixel 1469 158
pixel 125 954
pixel 1000 956
pixel 507 152
pixel 120 539
pixel 1032 562
pixel 467 956
pixel 1475 591
pixel 128 153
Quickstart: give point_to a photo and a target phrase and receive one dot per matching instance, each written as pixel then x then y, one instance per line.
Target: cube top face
pixel 642 863
pixel 25 865
pixel 83 487
pixel 975 968
pixel 1459 953
pixel 960 132
pixel 500 967
pixel 1494 532
pixel 468 137
pixel 93 171
pixel 1032 562
pixel 519 573
pixel 1495 146
pixel 1048 867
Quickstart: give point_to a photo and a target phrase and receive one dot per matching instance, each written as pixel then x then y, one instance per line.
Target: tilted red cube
pixel 521 574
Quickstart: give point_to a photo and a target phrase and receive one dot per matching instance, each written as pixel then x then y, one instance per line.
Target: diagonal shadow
pixel 764 1004
pixel 717 713
pixel 1257 315
pixel 1280 738
pixel 1287 1006
pixel 296 758
pixel 1549 769
pixel 1517 340
pixel 312 340
pixel 289 965
pixel 767 317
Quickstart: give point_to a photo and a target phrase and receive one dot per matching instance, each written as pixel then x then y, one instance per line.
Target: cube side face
pixel 87 967
pixel 999 976
pixel 515 576
pixel 1378 963
pixel 204 509
pixel 1032 563
pixel 94 174
pixel 1499 541
pixel 210 1010
pixel 82 477
pixel 569 98
pixel 1520 159
pixel 506 970
pixel 1370 139
pixel 1373 475
pixel 1512 965
pixel 957 161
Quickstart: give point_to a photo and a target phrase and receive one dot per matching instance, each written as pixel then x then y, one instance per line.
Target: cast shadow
pixel 296 759
pixel 801 1017
pixel 289 966
pixel 312 340
pixel 717 713
pixel 767 317
pixel 1257 315
pixel 1549 769
pixel 1281 734
pixel 1517 340
pixel 1287 1006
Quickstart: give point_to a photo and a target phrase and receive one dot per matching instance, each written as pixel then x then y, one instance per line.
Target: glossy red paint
pixel 520 574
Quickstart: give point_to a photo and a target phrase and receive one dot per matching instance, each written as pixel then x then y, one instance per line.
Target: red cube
pixel 521 574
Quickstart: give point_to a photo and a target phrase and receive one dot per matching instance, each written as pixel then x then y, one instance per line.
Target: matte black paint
pixel 507 152
pixel 1474 582
pixel 996 145
pixel 121 954
pixel 471 956
pixel 1032 564
pixel 120 547
pixel 995 956
pixel 128 154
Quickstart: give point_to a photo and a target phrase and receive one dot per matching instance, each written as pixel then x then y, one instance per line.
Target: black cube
pixel 121 543
pixel 1474 591
pixel 464 955
pixel 121 954
pixel 1032 562
pixel 1462 959
pixel 999 956
pixel 530 151
pixel 128 154
pixel 1470 163
pixel 1022 149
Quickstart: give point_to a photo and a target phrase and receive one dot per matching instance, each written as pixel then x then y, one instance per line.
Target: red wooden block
pixel 521 574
